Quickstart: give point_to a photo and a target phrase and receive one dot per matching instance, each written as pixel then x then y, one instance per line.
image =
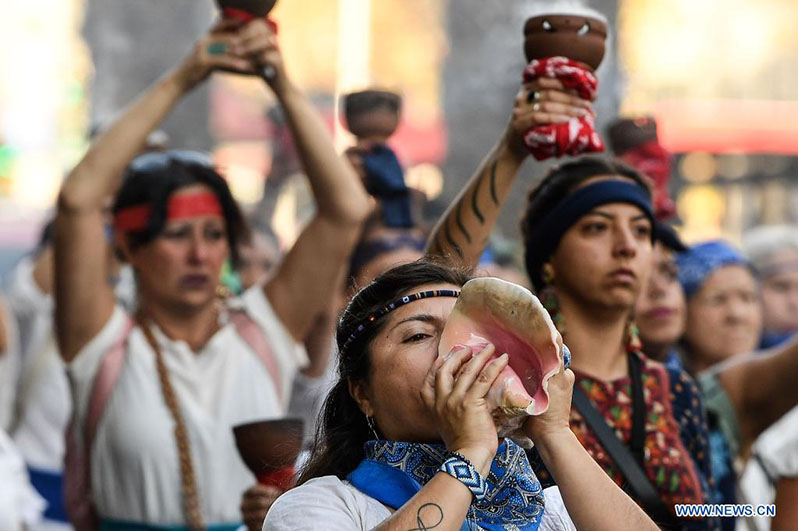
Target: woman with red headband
pixel 588 228
pixel 157 392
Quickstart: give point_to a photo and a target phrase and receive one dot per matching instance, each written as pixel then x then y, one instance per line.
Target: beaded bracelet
pixel 460 468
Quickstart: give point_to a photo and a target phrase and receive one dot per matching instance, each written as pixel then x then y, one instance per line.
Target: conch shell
pixel 511 318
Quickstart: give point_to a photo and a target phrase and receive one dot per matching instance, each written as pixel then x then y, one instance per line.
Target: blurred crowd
pixel 166 363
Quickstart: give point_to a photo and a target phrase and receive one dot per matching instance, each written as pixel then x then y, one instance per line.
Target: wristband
pixel 460 468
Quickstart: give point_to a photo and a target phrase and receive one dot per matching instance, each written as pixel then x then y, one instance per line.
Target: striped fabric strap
pixel 461 469
pixel 256 339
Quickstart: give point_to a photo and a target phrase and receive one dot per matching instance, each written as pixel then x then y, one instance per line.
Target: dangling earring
pixel 548 297
pixel 547 274
pixel 633 342
pixel 223 292
pixel 370 422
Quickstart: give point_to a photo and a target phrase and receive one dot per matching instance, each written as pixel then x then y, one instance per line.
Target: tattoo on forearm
pixel 474 206
pixel 460 223
pixel 493 182
pixel 444 238
pixel 430 511
pixel 450 240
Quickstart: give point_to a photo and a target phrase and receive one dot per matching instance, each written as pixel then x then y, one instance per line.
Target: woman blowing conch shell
pixel 407 439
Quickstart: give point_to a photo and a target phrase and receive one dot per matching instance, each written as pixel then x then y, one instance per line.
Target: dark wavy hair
pixel 560 182
pixel 153 177
pixel 341 430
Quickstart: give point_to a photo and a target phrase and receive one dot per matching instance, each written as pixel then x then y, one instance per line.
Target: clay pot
pixel 371 112
pixel 631 133
pixel 269 448
pixel 576 37
pixel 257 8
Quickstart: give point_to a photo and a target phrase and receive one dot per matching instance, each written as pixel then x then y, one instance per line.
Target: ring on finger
pixel 532 95
pixel 216 48
pixel 536 106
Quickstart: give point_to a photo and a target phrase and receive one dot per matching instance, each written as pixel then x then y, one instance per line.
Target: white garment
pixel 47 404
pixel 134 462
pixel 307 398
pixel 774 455
pixel 20 504
pixel 334 505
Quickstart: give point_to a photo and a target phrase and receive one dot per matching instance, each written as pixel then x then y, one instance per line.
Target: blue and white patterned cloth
pixel 699 261
pixel 393 472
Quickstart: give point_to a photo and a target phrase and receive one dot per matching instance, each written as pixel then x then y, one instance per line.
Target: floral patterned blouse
pixel 676 442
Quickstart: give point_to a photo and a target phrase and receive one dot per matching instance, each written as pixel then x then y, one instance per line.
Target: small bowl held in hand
pixel 577 37
pixel 270 448
pixel 371 112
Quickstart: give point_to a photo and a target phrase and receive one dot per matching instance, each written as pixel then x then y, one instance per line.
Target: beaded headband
pixel 388 308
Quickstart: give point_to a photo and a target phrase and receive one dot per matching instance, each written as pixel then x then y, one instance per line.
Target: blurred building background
pixel 718 77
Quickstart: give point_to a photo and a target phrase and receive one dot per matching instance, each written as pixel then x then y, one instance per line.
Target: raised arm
pixel 762 388
pixel 83 299
pixel 462 232
pixel 308 276
pixel 593 500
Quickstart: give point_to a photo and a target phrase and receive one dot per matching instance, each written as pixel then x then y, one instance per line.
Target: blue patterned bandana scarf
pixel 393 472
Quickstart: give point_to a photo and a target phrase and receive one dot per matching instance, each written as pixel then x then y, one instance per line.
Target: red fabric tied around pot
pixel 245 16
pixel 577 135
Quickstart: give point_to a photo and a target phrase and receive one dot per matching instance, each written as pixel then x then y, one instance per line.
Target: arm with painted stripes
pixel 461 234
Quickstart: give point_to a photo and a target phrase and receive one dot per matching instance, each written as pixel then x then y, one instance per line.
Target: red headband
pixel 180 206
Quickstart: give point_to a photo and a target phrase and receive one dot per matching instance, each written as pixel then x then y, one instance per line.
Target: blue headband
pixel 699 261
pixel 544 240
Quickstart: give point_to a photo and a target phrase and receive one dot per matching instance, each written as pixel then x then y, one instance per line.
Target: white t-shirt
pixel 334 505
pixel 774 456
pixel 47 406
pixel 135 474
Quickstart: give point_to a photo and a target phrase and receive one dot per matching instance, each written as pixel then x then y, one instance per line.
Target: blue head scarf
pixel 699 261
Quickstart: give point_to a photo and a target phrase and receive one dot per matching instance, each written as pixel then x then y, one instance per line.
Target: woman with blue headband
pixel 723 296
pixel 406 439
pixel 737 411
pixel 588 229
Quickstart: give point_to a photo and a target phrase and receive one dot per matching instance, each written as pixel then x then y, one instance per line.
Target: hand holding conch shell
pixel 555 418
pixel 509 317
pixel 455 391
